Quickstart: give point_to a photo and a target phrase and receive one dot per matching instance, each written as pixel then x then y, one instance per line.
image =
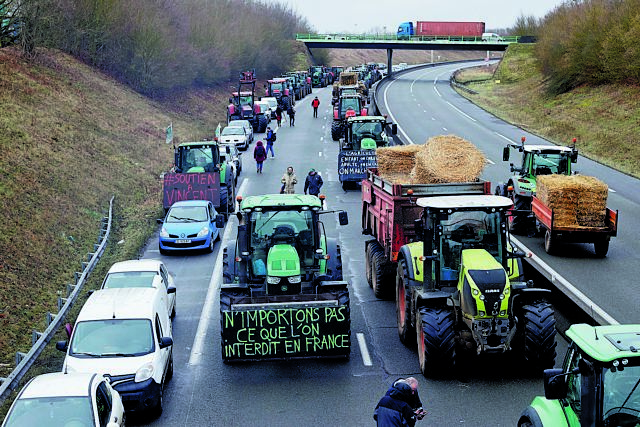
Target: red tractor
pixel 347 106
pixel 280 89
pixel 242 104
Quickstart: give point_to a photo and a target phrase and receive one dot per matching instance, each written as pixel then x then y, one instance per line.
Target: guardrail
pixel 392 37
pixel 41 339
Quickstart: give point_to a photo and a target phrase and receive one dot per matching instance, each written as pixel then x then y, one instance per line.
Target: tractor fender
pixel 437 299
pixel 334 263
pixel 286 92
pixel 524 296
pixel 256 109
pixel 363 112
pixel 229 264
pixel 544 412
pixel 232 109
pixel 410 253
pixel 335 114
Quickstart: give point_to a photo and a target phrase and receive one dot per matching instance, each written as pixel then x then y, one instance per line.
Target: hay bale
pixel 395 160
pixel 447 158
pixel 576 200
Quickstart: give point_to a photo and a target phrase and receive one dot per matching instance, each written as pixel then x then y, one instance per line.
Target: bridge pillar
pixel 389 62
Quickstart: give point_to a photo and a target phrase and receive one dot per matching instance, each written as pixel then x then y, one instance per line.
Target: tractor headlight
pixel 501 296
pixel 481 297
pixel 272 280
pixel 203 232
pixel 164 233
pixel 481 313
pixel 476 292
pixel 295 279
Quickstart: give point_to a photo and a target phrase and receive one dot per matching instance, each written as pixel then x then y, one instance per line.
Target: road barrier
pixel 24 361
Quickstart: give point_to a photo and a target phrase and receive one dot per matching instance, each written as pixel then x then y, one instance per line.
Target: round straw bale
pixel 447 158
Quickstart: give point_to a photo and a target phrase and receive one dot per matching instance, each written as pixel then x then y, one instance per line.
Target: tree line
pixel 158 46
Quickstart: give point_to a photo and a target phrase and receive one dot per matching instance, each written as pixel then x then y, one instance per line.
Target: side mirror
pixel 165 342
pixel 419 229
pixel 220 221
pixel 62 346
pixel 505 154
pixel 555 384
pixel 171 290
pixel 343 218
pixel 228 149
pixel 160 221
pixel 394 129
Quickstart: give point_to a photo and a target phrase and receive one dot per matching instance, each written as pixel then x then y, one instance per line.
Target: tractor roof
pixel 607 343
pixel 547 148
pixel 243 93
pixel 461 202
pixel 280 201
pixel 197 143
pixel 278 80
pixel 363 119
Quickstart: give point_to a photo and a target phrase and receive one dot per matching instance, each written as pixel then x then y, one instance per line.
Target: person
pixel 279 115
pixel 313 183
pixel 270 139
pixel 288 180
pixel 415 402
pixel 260 154
pixel 292 115
pixel 394 409
pixel 315 104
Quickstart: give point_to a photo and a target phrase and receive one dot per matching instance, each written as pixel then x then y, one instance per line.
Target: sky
pixel 359 16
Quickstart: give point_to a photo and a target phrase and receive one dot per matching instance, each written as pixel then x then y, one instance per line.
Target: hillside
pixel 604 118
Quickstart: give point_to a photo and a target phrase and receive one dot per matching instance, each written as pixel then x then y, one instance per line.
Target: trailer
pixel 553 233
pixel 440 28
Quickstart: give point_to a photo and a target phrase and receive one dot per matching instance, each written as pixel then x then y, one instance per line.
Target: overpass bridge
pixel 391 42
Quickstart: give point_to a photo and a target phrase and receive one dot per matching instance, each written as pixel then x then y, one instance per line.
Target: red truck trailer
pixel 435 28
pixel 388 215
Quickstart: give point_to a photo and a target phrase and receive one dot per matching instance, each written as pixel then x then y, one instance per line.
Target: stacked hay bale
pixel 441 159
pixel 576 200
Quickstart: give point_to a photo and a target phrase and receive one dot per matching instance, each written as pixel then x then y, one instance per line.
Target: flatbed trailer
pixel 553 233
pixel 389 212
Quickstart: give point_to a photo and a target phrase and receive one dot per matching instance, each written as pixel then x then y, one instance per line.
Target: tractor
pixel 242 104
pixel 280 89
pixel 283 294
pixel 536 160
pixel 347 106
pixel 319 76
pixel 598 384
pixel 298 83
pixel 460 289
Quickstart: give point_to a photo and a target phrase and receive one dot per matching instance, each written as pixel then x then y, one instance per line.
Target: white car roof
pixel 119 303
pixel 203 203
pixel 58 384
pixel 453 202
pixel 243 123
pixel 136 265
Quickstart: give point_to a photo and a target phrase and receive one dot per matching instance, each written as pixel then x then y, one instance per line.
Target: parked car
pixel 273 104
pixel 142 273
pixel 126 335
pixel 265 108
pixel 66 399
pixel 188 225
pixel 234 155
pixel 491 37
pixel 235 135
pixel 246 125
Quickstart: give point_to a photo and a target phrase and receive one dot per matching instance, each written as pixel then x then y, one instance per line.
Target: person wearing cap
pixel 313 183
pixel 394 409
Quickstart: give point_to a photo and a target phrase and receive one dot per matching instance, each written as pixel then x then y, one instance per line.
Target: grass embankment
pixel 71 138
pixel 604 119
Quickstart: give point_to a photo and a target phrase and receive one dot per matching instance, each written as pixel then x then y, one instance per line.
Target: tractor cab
pixel 366 133
pixel 197 157
pixel 349 105
pixel 242 104
pixel 277 88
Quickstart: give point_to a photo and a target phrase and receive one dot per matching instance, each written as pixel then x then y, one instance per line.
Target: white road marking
pixel 436 89
pixel 319 153
pixel 156 251
pixel 445 129
pixel 461 112
pixel 366 359
pixel 502 136
pixel 612 190
pixel 322 137
pixel 491 162
pixel 391 114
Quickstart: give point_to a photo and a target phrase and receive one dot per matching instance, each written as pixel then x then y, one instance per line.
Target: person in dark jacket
pixel 394 409
pixel 270 139
pixel 292 115
pixel 260 154
pixel 415 403
pixel 313 183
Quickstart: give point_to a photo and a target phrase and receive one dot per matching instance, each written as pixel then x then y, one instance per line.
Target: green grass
pixel 604 119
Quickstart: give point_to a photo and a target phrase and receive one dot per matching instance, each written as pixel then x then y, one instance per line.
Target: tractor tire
pixel 520 223
pixel 378 270
pixel 336 130
pixel 262 123
pixel 226 297
pixel 549 243
pixel 436 341
pixel 367 263
pixel 406 331
pixel 538 334
pixel 601 248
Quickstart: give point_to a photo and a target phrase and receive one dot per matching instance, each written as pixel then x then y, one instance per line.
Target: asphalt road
pixel 492 391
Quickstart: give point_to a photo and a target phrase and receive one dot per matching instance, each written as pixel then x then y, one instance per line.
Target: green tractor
pixel 536 160
pixel 598 384
pixel 283 294
pixel 460 288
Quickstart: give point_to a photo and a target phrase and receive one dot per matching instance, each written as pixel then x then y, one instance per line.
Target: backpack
pixel 260 151
pixel 273 137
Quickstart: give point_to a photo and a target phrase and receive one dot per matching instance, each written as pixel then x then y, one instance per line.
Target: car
pixel 142 273
pixel 236 135
pixel 491 37
pixel 190 225
pixel 65 399
pixel 273 104
pixel 265 108
pixel 234 155
pixel 246 125
pixel 124 334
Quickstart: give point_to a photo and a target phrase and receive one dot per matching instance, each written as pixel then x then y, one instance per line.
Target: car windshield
pixel 229 130
pixel 187 214
pixel 550 163
pixel 112 338
pixel 130 279
pixel 198 157
pixel 51 412
pixel 468 230
pixel 621 403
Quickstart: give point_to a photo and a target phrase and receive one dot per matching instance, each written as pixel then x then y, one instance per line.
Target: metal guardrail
pixel 41 339
pixel 404 39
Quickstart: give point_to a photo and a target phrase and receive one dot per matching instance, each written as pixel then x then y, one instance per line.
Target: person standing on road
pixel 315 104
pixel 279 115
pixel 292 115
pixel 260 154
pixel 313 183
pixel 271 137
pixel 288 180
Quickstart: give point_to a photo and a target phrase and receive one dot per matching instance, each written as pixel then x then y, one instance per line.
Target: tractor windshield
pixel 621 395
pixel 349 103
pixel 269 228
pixel 246 100
pixel 467 230
pixel 194 158
pixel 277 86
pixel 550 163
pixel 371 130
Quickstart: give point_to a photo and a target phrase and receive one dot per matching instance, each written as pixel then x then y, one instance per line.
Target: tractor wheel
pixel 601 248
pixel 262 123
pixel 519 222
pixel 549 243
pixel 436 341
pixel 336 130
pixel 367 264
pixel 538 334
pixel 403 306
pixel 378 276
pixel 226 297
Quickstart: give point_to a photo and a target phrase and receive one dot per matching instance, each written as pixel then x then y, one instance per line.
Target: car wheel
pixel 157 409
pixel 211 244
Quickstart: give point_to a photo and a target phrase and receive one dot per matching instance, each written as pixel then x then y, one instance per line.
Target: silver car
pixel 235 135
pixel 246 125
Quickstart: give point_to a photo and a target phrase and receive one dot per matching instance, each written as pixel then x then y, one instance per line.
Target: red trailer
pixel 388 214
pixel 440 28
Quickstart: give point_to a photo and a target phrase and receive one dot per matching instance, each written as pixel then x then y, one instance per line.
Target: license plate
pixel 183 241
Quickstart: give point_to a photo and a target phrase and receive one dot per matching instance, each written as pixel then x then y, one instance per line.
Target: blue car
pixel 190 224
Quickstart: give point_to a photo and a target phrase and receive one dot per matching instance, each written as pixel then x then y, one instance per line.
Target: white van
pixel 491 37
pixel 124 334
